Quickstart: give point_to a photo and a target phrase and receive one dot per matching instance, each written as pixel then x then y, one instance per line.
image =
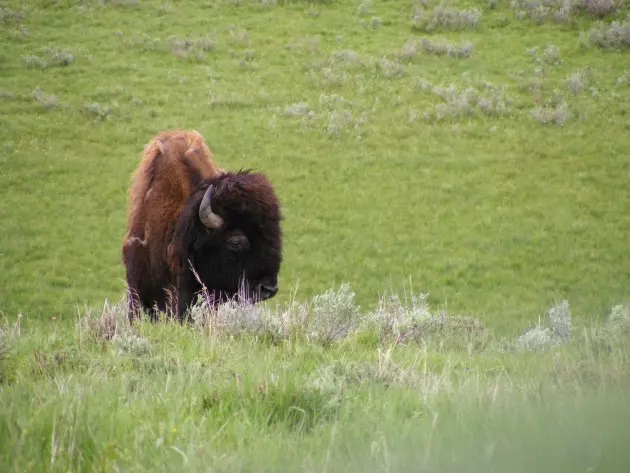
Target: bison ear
pixel 206 214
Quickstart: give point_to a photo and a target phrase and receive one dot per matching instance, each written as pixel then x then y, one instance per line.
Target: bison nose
pixel 268 289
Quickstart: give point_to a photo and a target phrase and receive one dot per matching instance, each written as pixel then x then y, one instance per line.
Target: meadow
pixel 454 181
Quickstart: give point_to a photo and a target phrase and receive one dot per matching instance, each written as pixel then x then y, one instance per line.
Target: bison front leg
pixel 186 290
pixel 134 255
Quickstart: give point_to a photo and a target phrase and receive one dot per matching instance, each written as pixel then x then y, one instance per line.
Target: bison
pixel 194 227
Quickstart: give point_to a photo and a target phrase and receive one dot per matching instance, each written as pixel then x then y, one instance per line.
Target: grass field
pixel 491 175
pixel 476 152
pixel 316 388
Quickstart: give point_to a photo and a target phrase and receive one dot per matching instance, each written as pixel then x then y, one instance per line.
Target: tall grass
pixel 107 396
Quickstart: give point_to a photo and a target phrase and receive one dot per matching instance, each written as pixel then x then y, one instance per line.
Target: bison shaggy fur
pixel 194 227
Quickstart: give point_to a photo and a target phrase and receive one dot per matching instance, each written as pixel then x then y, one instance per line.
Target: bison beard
pixel 225 238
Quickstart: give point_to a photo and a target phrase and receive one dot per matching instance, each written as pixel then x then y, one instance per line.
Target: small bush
pixel 131 344
pixel 613 36
pixel 413 321
pixel 544 336
pixel 195 48
pixel 485 98
pixel 444 48
pixel 47 101
pixel 334 315
pixel 235 318
pixel 562 11
pixel 439 48
pixel 556 114
pixel 443 17
pixel 300 109
pixel 120 3
pixel 577 82
pixel 9 17
pixel 599 8
pixel 53 58
pixel 390 69
pixel 98 111
pixel 365 8
pixel 346 58
pixel 623 79
pixel 618 322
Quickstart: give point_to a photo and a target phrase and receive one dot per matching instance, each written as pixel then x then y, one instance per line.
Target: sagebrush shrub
pixel 553 332
pixel 562 11
pixel 556 114
pixel 616 35
pixel 446 18
pixel 577 82
pixel 47 101
pixel 334 315
pixel 444 48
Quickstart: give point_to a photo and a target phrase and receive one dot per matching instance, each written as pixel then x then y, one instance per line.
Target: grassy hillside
pixel 477 152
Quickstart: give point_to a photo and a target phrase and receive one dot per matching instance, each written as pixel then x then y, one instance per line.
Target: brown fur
pixel 172 164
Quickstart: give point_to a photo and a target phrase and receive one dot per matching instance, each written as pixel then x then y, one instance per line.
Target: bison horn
pixel 206 215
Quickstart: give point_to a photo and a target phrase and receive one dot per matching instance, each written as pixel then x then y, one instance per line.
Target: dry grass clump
pixel 104 326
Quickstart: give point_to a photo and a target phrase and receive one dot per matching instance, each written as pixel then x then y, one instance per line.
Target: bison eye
pixel 237 243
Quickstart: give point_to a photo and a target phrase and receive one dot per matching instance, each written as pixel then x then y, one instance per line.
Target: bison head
pixel 229 238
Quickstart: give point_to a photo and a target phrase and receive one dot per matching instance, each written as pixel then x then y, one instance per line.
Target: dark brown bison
pixel 190 224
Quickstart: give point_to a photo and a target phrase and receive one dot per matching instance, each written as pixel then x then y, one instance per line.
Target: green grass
pixel 99 395
pixel 496 182
pixel 493 215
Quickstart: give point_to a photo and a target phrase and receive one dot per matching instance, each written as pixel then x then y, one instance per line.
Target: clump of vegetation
pixel 444 17
pixel 487 99
pixel 239 37
pixel 299 109
pixel 577 82
pixel 98 111
pixel 10 17
pixel 615 35
pixel 438 47
pixel 334 315
pixel 390 69
pixel 555 331
pixel 120 3
pixel 618 322
pixel 47 101
pixel 335 115
pixel 195 48
pixel 562 11
pixel 445 48
pixel 556 113
pixel 365 8
pixel 310 45
pixel 106 325
pixel 411 320
pixel 345 58
pixel 53 58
